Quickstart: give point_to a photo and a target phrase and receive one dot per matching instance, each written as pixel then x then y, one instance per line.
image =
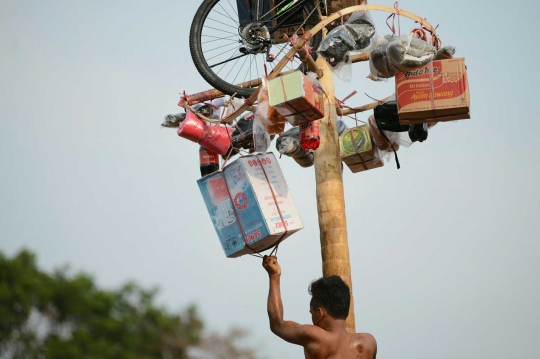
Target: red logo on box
pixel 240 201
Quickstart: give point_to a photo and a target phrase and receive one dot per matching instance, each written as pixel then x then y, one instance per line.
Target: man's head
pixel 330 297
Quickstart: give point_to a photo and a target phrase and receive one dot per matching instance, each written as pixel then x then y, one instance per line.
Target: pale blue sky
pixel 444 251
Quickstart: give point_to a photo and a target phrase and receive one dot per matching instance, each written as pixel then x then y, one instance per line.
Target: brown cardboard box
pixel 438 91
pixel 296 98
pixel 412 121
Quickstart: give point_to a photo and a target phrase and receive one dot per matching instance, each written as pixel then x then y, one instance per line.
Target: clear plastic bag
pixel 272 121
pixel 261 138
pixel 288 144
pixel 394 54
pixel 383 140
pixel 360 26
pixel 335 47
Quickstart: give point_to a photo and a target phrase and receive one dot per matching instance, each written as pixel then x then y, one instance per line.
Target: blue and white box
pixel 245 201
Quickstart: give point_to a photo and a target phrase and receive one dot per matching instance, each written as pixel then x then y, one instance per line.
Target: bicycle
pixel 231 41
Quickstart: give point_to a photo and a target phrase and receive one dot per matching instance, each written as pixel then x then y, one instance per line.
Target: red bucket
pixel 192 128
pixel 217 138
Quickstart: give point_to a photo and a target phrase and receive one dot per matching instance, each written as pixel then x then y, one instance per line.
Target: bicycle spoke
pixel 215 48
pixel 234 27
pixel 235 21
pixel 237 58
pixel 221 38
pixel 229 16
pixel 225 63
pixel 239 70
pixel 213 57
pixel 205 42
pixel 226 32
pixel 232 8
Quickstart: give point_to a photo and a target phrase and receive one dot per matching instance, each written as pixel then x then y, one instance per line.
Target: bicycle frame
pixel 291 15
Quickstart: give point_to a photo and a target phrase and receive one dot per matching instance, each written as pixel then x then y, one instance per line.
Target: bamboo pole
pixel 330 195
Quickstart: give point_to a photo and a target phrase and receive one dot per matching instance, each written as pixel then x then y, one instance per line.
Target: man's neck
pixel 335 326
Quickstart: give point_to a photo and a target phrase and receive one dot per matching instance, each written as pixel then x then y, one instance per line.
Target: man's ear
pixel 320 312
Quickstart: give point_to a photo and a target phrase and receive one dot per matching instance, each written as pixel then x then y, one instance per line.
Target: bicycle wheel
pixel 230 45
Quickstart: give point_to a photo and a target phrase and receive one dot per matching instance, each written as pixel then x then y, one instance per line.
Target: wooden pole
pixel 330 196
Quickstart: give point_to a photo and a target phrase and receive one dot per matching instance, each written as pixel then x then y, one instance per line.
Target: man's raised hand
pixel 271 265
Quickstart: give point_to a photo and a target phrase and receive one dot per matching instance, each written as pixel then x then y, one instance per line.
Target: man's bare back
pixel 327 338
pixel 342 346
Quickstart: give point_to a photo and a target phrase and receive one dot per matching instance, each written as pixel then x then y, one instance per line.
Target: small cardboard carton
pixel 357 150
pixel 250 205
pixel 296 98
pixel 438 91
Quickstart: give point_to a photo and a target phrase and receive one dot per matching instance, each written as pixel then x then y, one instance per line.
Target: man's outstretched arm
pixel 287 330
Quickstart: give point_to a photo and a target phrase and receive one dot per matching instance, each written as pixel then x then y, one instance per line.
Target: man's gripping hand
pixel 271 265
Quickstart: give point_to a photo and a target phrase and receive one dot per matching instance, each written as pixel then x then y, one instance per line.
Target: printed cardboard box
pixel 438 91
pixel 245 201
pixel 357 150
pixel 296 98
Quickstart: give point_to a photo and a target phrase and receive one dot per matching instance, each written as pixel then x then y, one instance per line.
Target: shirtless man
pixel 327 338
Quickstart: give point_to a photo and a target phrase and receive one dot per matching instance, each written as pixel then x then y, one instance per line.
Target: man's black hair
pixel 332 294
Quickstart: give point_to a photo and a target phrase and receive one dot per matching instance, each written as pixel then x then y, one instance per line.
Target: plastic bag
pixel 261 138
pixel 173 121
pixel 335 49
pixel 386 116
pixel 272 121
pixel 383 140
pixel 361 27
pixel 242 135
pixel 394 54
pixel 288 144
pixel 446 52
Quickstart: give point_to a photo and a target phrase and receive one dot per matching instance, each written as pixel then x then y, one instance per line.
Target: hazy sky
pixel 444 251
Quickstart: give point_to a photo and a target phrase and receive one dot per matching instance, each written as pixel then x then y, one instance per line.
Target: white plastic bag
pixel 261 138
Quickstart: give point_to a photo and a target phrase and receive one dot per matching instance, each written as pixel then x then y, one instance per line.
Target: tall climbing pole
pixel 330 195
pixel 328 175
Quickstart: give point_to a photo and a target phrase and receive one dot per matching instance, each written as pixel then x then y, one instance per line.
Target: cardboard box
pixel 296 98
pixel 412 121
pixel 357 150
pixel 438 91
pixel 245 200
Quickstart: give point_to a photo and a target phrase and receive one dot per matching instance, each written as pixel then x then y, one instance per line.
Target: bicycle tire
pixel 203 68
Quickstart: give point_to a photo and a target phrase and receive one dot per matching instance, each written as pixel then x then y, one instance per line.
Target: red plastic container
pixel 192 128
pixel 217 138
pixel 309 135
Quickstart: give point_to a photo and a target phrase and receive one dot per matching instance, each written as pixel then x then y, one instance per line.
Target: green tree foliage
pixel 61 316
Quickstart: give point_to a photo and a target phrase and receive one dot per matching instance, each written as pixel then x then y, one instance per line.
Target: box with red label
pixel 296 98
pixel 250 205
pixel 438 91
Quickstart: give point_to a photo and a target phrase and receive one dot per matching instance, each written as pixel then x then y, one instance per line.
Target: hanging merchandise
pixel 208 160
pixel 394 54
pixel 173 121
pixel 418 132
pixel 242 135
pixel 386 116
pixel 272 121
pixel 384 140
pixel 296 98
pixel 261 138
pixel 436 92
pixel 250 205
pixel 288 144
pixel 192 128
pixel 215 138
pixel 355 35
pixel 361 27
pixel 357 151
pixel 446 52
pixel 309 135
